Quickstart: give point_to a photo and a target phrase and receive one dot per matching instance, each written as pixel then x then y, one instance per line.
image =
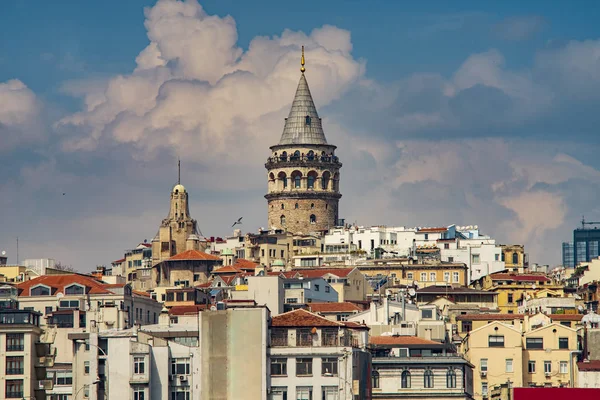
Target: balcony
pixel 15 347
pixel 14 371
pixel 46 384
pixel 293 161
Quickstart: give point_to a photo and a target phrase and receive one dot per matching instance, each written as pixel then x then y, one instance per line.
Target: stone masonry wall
pixel 298 219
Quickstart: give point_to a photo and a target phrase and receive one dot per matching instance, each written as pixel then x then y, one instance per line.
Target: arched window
pixel 296 206
pixel 311 155
pixel 428 378
pixel 323 156
pixel 284 156
pixel 282 220
pixel 297 178
pixel 515 258
pixel 375 379
pixel 451 378
pixel 271 176
pixel 312 205
pixel 313 219
pixel 283 178
pixel 336 182
pixel 310 180
pixel 282 206
pixel 307 120
pixel 405 379
pixel 325 180
pixel 296 156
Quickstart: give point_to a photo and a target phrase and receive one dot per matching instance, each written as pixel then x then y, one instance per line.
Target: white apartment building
pixel 311 357
pixel 202 355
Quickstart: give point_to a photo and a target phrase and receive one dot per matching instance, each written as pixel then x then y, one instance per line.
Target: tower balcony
pixel 303 161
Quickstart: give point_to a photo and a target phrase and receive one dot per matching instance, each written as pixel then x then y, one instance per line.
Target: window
pixel 563 367
pixel 483 364
pixel 509 365
pixel 446 246
pixel 304 393
pixel 310 180
pixel 48 310
pixel 279 366
pixel 180 393
pixel 515 258
pixel 15 342
pixel 447 277
pixel 297 180
pixel 475 258
pixel 196 277
pixel 534 343
pixel 428 378
pixel 375 379
pixel 531 367
pixel 307 120
pixel 466 326
pixel 14 388
pixel 405 379
pixel 69 304
pixel 510 297
pixel 484 389
pixel 296 206
pixel 303 366
pixel 40 291
pixel 138 393
pixel 426 314
pixel 496 341
pixel 451 378
pixel 313 219
pixel 563 343
pixel 455 277
pixel 138 365
pixel 432 277
pixel 86 367
pixel 496 257
pixel 14 365
pixel 282 220
pixel 426 236
pixel 74 289
pixel 64 378
pixel 330 392
pixel 278 393
pixel 409 276
pixel 325 180
pixel 180 366
pixel 423 276
pixel 329 366
pixel 327 289
pixel 548 367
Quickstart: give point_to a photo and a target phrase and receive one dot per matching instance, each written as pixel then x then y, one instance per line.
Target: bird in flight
pixel 238 222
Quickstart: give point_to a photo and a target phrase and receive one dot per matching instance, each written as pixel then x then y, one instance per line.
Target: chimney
pixel 163 318
pixel 373 312
pixel 386 310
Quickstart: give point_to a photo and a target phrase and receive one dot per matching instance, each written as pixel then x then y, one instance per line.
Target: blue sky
pixel 446 112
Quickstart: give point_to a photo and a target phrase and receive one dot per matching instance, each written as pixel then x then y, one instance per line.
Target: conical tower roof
pixel 303 125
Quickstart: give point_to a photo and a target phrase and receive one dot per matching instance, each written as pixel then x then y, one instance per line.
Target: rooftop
pixel 319 272
pixel 452 290
pixel 333 307
pixel 489 317
pixel 302 318
pixel 592 365
pixel 194 255
pixel 401 341
pixel 187 310
pixel 519 277
pixel 57 284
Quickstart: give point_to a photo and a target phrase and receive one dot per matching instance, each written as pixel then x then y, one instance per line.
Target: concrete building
pixel 392 272
pixel 197 357
pixel 186 269
pixel 311 357
pixel 303 171
pixel 585 243
pixel 306 290
pixel 588 374
pixel 264 290
pixel 548 302
pixel 409 367
pixel 39 265
pixel 349 283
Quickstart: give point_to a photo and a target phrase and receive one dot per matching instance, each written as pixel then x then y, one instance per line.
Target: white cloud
pixel 19 113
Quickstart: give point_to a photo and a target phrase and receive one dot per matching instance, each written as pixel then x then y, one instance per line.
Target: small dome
pixel 179 188
pixel 193 236
pixel 278 263
pixel 227 252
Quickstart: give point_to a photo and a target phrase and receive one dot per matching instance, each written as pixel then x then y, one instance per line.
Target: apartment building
pixel 402 272
pixel 410 367
pixel 349 283
pixel 312 357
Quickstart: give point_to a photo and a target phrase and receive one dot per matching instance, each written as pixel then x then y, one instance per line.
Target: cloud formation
pixel 487 144
pixel 519 27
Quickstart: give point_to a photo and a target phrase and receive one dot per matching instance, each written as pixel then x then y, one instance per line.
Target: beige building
pixel 349 283
pixel 186 269
pixel 303 171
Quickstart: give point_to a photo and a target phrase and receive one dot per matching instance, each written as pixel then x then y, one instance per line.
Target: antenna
pixel 17 250
pixel 179 171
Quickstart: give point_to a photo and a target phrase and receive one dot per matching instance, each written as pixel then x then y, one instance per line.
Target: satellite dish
pixel 533 286
pixel 213 308
pixel 3 252
pixel 412 291
pixel 59 295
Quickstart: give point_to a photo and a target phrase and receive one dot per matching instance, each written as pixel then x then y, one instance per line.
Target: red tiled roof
pixel 113 285
pixel 228 269
pixel 140 293
pixel 194 255
pixel 242 263
pixel 592 365
pixel 355 325
pixel 119 261
pixel 565 317
pixel 333 307
pixel 319 272
pixel 519 277
pixel 440 229
pixel 400 340
pixel 183 310
pixel 489 317
pixel 302 318
pixel 58 282
pixel 205 284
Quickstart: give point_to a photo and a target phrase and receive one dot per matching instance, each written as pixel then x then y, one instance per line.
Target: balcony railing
pixel 279 340
pixel 306 340
pixel 15 347
pixel 14 395
pixel 304 158
pixel 14 371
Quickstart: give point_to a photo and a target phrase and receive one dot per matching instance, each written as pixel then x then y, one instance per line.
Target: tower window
pixel 296 206
pixel 307 120
pixel 282 220
pixel 311 178
pixel 282 206
pixel 297 178
pixel 311 155
pixel 325 180
pixel 295 156
pixel 312 205
pixel 326 206
pixel 313 219
pixel 284 156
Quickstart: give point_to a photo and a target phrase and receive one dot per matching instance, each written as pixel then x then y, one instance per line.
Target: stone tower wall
pixel 297 220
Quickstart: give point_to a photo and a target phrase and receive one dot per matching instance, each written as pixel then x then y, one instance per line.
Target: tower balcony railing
pixel 303 158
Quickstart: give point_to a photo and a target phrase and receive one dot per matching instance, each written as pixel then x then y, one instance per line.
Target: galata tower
pixel 303 170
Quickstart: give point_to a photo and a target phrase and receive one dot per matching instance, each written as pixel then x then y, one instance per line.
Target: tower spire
pixel 302 69
pixel 179 171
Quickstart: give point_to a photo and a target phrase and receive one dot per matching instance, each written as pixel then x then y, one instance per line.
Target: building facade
pixel 303 171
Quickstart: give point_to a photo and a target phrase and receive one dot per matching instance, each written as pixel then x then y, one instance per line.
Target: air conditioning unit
pixel 547 374
pixel 182 378
pixel 483 374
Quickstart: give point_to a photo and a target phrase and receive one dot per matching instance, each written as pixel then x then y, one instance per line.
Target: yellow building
pixel 524 323
pixel 526 352
pixel 514 257
pixel 513 287
pixel 436 273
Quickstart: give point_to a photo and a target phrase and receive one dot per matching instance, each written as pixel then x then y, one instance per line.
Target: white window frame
pixel 547 367
pixel 483 364
pixel 447 277
pixel 455 277
pixel 564 368
pixel 432 277
pixel 509 367
pixel 74 284
pixel 136 390
pixel 423 276
pixel 139 361
pixel 38 285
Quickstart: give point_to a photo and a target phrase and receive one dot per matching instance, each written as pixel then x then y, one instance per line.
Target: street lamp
pixel 87 385
pixel 81 341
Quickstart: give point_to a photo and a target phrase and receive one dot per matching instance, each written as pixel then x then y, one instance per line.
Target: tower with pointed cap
pixel 303 171
pixel 178 232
